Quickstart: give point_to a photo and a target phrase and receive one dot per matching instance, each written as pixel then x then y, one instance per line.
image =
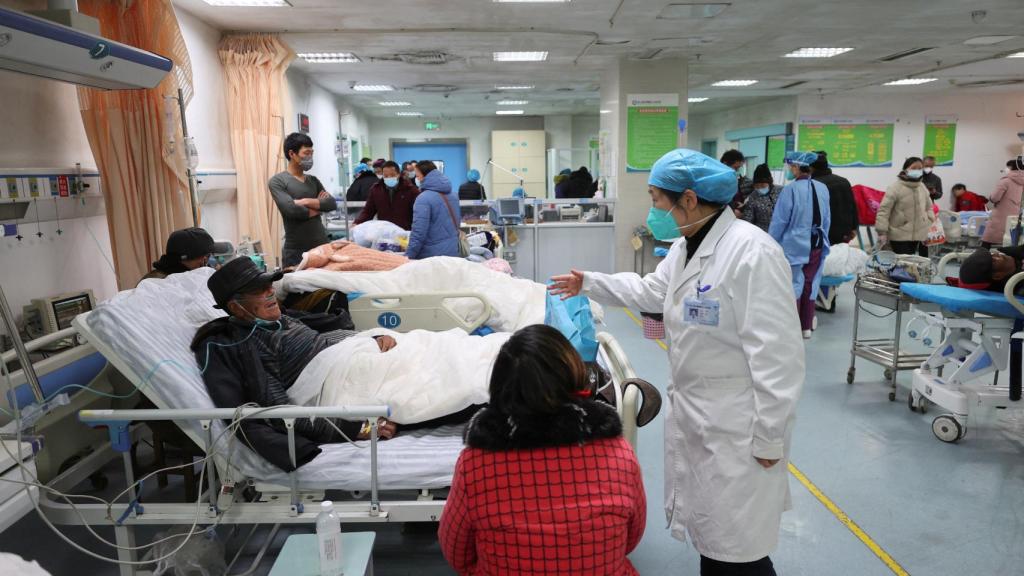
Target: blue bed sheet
pixel 832 281
pixel 962 300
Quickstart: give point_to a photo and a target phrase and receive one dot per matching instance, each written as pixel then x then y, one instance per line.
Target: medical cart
pixel 885 352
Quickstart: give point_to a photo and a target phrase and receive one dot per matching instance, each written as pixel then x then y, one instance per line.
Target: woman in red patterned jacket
pixel 547 484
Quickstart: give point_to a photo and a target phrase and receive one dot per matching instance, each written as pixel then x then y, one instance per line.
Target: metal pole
pixel 188 171
pixel 19 348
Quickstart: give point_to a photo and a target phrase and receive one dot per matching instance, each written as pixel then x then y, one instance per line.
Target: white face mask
pixel 927 170
pixel 915 174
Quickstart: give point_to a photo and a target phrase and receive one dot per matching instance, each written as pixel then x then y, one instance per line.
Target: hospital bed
pixel 976 329
pixel 148 344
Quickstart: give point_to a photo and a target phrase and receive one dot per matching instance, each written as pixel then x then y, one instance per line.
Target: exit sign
pixel 431 125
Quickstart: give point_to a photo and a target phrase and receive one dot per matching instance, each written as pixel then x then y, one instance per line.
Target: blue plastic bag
pixel 575 321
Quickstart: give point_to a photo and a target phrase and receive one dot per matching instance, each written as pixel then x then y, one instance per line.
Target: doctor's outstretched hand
pixel 568 285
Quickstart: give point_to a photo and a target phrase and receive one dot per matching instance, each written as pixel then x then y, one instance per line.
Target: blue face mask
pixel 763 191
pixel 391 182
pixel 419 182
pixel 790 175
pixel 663 226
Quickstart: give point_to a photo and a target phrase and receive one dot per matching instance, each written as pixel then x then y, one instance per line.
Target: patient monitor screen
pixel 65 310
pixel 509 208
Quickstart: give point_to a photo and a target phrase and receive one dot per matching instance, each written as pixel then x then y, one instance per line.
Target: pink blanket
pixel 344 256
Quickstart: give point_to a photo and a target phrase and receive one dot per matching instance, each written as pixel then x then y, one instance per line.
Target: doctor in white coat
pixel 737 361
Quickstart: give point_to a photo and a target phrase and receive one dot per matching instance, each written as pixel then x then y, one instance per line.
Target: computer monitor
pixel 510 208
pixel 57 312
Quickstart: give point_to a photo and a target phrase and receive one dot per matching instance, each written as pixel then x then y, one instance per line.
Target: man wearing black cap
pixel 255 354
pixel 187 249
pixel 985 270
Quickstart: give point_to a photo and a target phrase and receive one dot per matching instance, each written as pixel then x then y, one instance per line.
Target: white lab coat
pixel 734 387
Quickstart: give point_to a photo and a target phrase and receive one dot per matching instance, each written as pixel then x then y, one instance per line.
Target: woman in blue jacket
pixel 435 215
pixel 800 223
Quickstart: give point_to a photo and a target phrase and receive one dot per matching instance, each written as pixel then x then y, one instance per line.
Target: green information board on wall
pixel 776 152
pixel 850 143
pixel 652 128
pixel 940 138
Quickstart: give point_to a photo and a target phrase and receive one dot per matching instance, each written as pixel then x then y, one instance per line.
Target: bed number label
pixel 389 320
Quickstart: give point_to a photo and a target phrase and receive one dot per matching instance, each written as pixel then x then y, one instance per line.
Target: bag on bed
pixel 573 318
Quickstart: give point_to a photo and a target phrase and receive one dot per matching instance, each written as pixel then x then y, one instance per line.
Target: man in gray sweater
pixel 301 198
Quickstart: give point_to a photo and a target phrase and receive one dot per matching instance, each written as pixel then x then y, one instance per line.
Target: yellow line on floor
pixel 827 502
pixel 848 522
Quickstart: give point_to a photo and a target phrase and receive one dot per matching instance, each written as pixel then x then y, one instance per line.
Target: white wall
pixel 324 110
pixel 985 140
pixel 583 129
pixel 476 132
pixel 713 126
pixel 207 119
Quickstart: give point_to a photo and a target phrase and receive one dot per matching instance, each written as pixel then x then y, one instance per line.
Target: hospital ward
pixel 511 287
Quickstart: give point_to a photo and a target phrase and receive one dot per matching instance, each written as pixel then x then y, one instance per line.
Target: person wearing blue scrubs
pixel 800 224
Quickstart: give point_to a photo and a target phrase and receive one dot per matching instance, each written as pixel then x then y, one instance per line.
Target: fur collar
pixel 576 423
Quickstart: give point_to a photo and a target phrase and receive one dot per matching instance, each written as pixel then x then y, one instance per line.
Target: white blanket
pixel 427 376
pixel 516 302
pixel 844 259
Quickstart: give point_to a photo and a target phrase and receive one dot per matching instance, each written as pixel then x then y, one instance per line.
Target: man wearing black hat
pixel 985 270
pixel 187 249
pixel 255 354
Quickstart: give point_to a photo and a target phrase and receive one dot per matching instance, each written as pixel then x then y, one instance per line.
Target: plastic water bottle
pixel 328 536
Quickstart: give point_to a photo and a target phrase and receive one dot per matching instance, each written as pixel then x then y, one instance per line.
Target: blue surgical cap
pixel 683 169
pixel 362 167
pixel 801 158
pixel 565 172
pixel 473 175
pixel 519 193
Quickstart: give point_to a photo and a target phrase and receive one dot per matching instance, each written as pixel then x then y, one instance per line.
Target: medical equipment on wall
pixel 79 55
pixel 49 315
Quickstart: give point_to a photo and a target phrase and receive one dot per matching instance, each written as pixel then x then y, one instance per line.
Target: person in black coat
pixel 359 191
pixel 579 184
pixel 255 354
pixel 841 202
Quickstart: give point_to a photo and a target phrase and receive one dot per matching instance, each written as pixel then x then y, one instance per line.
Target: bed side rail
pixel 433 311
pixel 626 401
pixel 118 421
pixel 1011 289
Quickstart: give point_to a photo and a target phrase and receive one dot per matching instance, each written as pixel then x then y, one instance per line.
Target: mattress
pixel 150 329
pixel 962 300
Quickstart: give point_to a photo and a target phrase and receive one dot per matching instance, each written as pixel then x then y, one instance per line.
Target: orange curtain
pixel 142 172
pixel 254 67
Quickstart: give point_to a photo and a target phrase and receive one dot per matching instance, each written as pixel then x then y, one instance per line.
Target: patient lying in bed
pixel 990 270
pixel 255 355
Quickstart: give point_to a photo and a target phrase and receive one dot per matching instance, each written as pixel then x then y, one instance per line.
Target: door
pixel 709 148
pixel 450 157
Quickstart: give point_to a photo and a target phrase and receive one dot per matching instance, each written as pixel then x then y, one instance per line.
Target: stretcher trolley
pixel 886 352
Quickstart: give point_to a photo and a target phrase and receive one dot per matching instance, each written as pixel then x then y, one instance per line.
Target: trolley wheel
pixel 947 429
pixel 922 406
pixel 910 402
pixel 850 374
pixel 888 374
pixel 892 396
